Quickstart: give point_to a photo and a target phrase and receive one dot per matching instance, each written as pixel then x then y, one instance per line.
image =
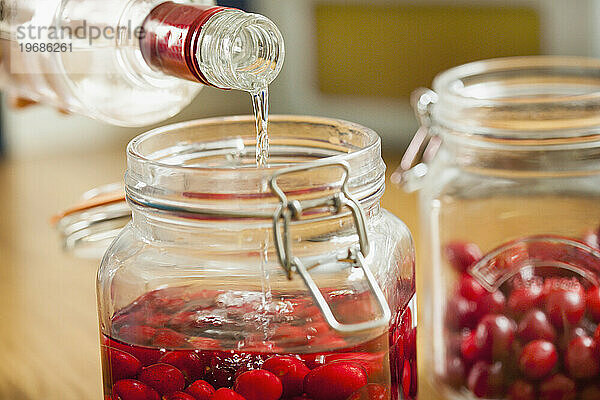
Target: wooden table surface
pixel 49 347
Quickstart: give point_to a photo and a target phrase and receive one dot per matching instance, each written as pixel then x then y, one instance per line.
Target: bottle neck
pixel 216 46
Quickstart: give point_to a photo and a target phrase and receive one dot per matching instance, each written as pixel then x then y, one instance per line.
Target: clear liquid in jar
pixel 168 340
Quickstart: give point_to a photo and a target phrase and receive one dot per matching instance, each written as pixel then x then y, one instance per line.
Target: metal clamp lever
pixel 292 210
pixel 326 310
pixel 423 146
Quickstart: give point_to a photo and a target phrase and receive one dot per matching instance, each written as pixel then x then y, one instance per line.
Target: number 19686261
pixel 46 47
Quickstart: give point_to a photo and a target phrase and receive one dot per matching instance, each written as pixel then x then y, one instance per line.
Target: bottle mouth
pixel 257 52
pixel 240 50
pixel 206 169
pixel 537 97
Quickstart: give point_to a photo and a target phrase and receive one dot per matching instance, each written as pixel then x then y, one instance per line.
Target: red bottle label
pixel 169 40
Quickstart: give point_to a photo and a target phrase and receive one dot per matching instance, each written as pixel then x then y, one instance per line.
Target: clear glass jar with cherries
pixel 508 162
pixel 236 282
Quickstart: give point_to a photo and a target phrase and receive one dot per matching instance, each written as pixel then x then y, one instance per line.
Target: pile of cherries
pixel 173 344
pixel 537 337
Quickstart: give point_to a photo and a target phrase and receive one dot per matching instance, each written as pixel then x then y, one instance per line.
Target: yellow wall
pixel 389 50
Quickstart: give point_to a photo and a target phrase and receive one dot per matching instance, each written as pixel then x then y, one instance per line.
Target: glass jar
pixel 510 212
pixel 274 282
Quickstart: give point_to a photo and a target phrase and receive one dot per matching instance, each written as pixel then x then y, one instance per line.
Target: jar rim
pixel 207 164
pixel 532 97
pixel 133 147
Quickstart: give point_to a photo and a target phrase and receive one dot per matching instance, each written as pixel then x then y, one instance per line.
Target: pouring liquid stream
pixel 260 103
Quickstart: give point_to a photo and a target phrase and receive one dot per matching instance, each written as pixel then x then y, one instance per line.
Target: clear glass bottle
pixel 273 281
pixel 132 62
pixel 510 211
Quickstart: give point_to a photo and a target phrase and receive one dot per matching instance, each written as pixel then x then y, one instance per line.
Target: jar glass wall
pixel 510 211
pixel 195 289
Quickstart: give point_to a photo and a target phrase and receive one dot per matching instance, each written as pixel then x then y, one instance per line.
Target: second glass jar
pixel 510 211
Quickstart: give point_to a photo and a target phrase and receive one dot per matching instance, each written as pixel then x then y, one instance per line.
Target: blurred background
pixel 355 60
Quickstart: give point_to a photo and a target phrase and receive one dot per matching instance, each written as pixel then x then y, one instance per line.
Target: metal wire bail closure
pixel 423 146
pixel 292 210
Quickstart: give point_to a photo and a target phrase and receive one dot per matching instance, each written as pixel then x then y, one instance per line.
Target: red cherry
pixel 565 307
pixel 258 384
pixel 126 317
pixel 183 320
pixel 461 313
pixel 407 319
pixel 521 390
pixel 372 391
pixel 461 255
pixel 486 380
pixel 291 371
pixel 163 378
pixel 221 372
pixel 556 284
pixel 158 320
pixel 568 336
pixel 469 349
pixel 138 334
pixel 402 331
pixel 317 329
pixel 334 381
pixel 121 364
pixel 262 346
pixel 557 387
pixel 470 289
pixel 178 396
pixel 597 339
pixel 167 299
pixel 169 339
pixel 373 364
pixel 535 325
pixel 332 342
pixel 538 359
pixel 290 335
pixel 200 390
pixel 580 359
pixel 455 372
pixel 226 394
pixel 307 310
pixel 146 355
pixel 454 343
pixel 130 389
pixel 411 344
pixel 406 378
pixel 593 302
pixel 491 303
pixel 523 298
pixel 591 392
pixel 202 343
pixel 494 336
pixel 413 379
pixel 188 362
